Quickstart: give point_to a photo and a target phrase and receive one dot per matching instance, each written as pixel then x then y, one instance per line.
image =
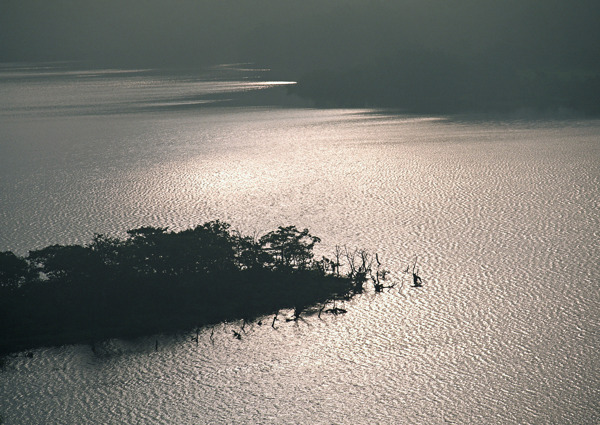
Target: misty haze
pixel 430 56
pixel 265 211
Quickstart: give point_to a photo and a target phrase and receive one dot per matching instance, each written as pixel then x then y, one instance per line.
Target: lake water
pixel 503 215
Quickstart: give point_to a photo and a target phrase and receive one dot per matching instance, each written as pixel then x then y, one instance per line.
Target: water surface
pixel 502 214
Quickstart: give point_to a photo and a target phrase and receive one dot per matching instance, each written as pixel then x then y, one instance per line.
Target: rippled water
pixel 503 216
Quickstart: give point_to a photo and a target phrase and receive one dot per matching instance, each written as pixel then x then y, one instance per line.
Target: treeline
pixel 156 280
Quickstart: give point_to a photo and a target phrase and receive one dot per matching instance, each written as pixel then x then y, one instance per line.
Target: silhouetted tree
pixel 290 247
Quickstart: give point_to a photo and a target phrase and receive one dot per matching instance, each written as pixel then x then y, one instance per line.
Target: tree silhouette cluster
pixel 156 280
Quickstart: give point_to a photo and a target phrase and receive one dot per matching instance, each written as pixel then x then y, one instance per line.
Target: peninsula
pixel 155 280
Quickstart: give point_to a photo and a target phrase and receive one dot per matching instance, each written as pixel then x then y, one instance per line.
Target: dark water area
pixel 501 212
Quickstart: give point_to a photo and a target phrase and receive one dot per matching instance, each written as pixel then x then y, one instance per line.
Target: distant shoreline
pixel 428 82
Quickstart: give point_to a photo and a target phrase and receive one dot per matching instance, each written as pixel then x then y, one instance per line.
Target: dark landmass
pixel 156 281
pixel 433 82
